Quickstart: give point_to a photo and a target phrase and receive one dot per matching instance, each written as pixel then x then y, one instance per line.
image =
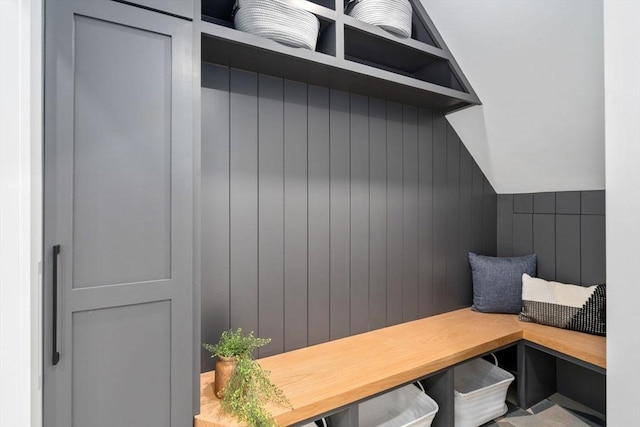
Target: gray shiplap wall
pixel 566 230
pixel 326 214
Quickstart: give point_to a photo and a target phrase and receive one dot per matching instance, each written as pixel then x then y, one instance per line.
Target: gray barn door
pixel 118 217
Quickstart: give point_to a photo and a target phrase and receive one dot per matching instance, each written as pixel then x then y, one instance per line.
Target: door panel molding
pixel 117 124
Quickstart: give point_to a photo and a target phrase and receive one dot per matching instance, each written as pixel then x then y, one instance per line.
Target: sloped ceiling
pixel 537 66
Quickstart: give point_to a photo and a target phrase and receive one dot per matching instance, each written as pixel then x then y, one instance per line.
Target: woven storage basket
pixel 480 392
pixel 278 20
pixel 321 422
pixel 404 407
pixel 391 15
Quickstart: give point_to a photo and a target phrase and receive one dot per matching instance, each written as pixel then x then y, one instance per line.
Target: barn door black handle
pixel 55 355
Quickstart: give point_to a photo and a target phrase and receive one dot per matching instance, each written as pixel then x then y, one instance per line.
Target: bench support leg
pixel 536 375
pixel 440 388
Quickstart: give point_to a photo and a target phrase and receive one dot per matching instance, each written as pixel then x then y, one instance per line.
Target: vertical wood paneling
pixel 327 214
pixel 569 242
pixel 523 203
pixel 394 213
pixel 425 212
pixel 568 202
pixel 464 291
pixel 340 213
pixel 359 269
pixel 295 215
pixel 453 216
pixel 544 245
pixel 244 200
pixel 477 208
pixel 568 248
pixel 544 203
pixel 410 213
pixel 439 212
pixel 592 244
pixel 489 216
pixel 270 213
pixel 522 234
pixel 378 214
pixel 319 166
pixel 592 202
pixel 505 225
pixel 215 206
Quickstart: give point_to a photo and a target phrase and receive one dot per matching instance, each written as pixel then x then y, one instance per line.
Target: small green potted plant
pixel 240 382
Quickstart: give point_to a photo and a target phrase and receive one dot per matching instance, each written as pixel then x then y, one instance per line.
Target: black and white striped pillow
pixel 579 308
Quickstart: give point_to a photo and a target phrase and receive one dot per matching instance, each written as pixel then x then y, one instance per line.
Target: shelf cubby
pixel 374 47
pixel 350 55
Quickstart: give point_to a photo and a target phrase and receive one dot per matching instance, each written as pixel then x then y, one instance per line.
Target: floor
pixel 556 411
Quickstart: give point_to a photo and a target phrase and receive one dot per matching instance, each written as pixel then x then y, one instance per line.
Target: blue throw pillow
pixel 497 282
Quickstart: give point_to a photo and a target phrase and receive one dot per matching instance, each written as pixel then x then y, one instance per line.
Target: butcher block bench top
pixel 324 377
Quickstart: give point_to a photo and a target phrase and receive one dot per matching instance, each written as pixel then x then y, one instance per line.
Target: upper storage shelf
pixel 350 55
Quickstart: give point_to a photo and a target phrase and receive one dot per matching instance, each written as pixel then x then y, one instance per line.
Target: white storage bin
pixel 391 15
pixel 407 406
pixel 480 392
pixel 313 424
pixel 279 20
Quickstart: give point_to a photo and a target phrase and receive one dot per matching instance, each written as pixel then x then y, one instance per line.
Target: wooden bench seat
pixel 588 348
pixel 332 375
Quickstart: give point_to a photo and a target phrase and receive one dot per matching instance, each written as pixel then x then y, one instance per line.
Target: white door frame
pixel 21 106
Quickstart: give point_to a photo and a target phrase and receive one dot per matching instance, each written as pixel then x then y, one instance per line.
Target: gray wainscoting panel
pixel 477 208
pixel 544 203
pixel 522 234
pixel 425 213
pixel 318 196
pixel 243 200
pixel 567 248
pixel 544 244
pixel 505 225
pixel 295 215
pixel 439 212
pixel 568 202
pixel 464 292
pixel 377 214
pixel 490 218
pixel 394 213
pixel 453 216
pixel 592 249
pixel 523 203
pixel 340 213
pixel 410 236
pixel 271 213
pixel 592 202
pixel 215 206
pixel 359 297
pixel 566 231
pixel 327 214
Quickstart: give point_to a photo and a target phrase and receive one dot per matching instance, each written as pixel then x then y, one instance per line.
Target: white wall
pixel 622 112
pixel 20 211
pixel 537 66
